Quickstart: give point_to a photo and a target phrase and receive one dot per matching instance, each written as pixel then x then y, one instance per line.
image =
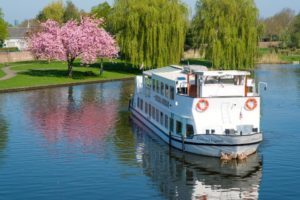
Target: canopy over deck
pixel 223 73
pixel 195 68
pixel 170 69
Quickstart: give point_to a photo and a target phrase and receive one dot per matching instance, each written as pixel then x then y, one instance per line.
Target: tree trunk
pixel 101 67
pixel 70 63
pixel 70 66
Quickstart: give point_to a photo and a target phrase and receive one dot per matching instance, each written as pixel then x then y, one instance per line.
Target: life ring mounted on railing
pixel 202 105
pixel 251 104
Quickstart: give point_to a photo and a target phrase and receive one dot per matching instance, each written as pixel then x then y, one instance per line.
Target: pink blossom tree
pixel 84 40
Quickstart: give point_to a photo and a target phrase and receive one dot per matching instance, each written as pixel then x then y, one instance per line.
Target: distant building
pixel 17 35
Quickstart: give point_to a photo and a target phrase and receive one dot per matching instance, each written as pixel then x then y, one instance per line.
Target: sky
pixel 25 9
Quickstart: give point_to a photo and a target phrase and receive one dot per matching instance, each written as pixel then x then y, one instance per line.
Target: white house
pixel 17 37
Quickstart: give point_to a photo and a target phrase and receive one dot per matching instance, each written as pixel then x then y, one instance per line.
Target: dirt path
pixel 8 73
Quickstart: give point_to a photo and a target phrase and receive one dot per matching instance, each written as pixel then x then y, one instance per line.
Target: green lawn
pixel 290 58
pixel 264 50
pixel 196 61
pixel 284 55
pixel 1 72
pixel 40 73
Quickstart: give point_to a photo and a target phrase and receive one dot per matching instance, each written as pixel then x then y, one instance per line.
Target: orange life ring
pixel 202 105
pixel 251 104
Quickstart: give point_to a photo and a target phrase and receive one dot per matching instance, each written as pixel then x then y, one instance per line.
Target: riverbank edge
pixel 22 89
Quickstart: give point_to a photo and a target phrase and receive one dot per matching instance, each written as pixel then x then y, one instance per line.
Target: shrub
pixel 9 49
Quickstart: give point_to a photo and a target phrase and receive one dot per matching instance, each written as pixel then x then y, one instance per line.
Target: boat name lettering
pixel 210 140
pixel 162 101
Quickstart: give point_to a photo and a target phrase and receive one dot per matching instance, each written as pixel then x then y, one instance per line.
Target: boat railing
pixel 139 84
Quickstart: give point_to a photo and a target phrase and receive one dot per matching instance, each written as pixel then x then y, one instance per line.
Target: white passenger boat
pixel 212 113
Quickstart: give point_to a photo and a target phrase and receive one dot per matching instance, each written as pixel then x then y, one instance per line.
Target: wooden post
pixel 246 87
pixel 188 84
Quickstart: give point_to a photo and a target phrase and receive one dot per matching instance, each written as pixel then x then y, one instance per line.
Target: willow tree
pixel 228 32
pixel 3 29
pixel 150 33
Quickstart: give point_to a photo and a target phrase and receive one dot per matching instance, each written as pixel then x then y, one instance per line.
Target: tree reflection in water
pixel 82 119
pixel 3 132
pixel 186 176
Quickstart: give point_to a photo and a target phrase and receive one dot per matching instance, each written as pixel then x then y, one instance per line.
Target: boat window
pixel 228 79
pixel 178 127
pixel 161 118
pixel 157 86
pixel 171 124
pixel 146 107
pixel 149 109
pixel 148 82
pixel 153 112
pixel 157 115
pixel 239 80
pixel 181 85
pixel 138 103
pixel 153 84
pixel 211 80
pixel 181 78
pixel 189 130
pixel 141 103
pixel 172 92
pixel 167 91
pixel 182 90
pixel 166 121
pixel 162 88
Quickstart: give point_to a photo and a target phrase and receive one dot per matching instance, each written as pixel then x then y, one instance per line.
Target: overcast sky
pixel 26 9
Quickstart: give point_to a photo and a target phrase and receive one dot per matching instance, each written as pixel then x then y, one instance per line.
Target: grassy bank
pixel 290 58
pixel 270 56
pixel 197 61
pixel 1 72
pixel 40 73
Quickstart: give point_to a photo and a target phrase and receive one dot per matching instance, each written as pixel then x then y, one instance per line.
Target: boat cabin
pixel 197 82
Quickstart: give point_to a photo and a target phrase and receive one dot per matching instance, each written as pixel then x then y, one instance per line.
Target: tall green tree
pixel 277 26
pixel 102 10
pixel 228 31
pixel 71 12
pixel 54 11
pixel 151 33
pixel 295 32
pixel 3 29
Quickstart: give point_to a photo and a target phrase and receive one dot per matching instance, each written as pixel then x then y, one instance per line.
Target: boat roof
pixel 174 72
pixel 224 73
pixel 195 68
pixel 159 71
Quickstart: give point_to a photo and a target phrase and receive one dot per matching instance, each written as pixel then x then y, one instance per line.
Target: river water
pixel 78 143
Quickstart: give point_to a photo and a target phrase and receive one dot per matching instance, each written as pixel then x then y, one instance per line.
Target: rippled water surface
pixel 78 143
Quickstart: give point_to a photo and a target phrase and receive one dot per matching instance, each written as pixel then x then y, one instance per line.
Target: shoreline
pixel 22 89
pixel 274 63
pixel 29 88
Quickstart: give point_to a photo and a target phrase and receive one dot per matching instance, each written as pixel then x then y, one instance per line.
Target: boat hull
pixel 207 145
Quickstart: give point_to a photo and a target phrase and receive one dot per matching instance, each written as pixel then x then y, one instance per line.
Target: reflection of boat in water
pixel 188 176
